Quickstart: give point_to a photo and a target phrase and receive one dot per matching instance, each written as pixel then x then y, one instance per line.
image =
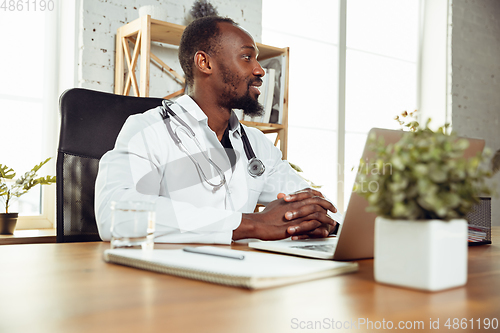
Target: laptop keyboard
pixel 321 248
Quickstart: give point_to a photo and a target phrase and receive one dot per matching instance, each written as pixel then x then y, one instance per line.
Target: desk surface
pixel 68 288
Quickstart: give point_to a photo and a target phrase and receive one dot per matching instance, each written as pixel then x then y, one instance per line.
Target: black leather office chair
pixel 90 123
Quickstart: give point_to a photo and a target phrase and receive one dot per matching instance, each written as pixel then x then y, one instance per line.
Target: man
pixel 192 161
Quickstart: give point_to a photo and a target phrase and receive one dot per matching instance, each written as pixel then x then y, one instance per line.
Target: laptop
pixel 355 237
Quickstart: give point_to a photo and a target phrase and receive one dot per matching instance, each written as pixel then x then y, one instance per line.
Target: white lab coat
pixel 146 165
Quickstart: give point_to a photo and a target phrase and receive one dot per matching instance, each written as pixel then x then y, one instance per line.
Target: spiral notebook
pixel 254 271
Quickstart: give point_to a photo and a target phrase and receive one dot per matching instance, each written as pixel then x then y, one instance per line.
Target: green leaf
pixel 37 167
pixel 42 181
pixel 438 175
pixel 46 181
pixel 6 172
pixel 3 189
pixel 462 144
pixel 295 167
pixel 399 210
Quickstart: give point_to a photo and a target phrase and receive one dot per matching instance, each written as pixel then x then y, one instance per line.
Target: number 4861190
pixel 465 323
pixel 27 5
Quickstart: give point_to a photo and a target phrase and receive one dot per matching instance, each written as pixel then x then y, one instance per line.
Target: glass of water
pixel 132 225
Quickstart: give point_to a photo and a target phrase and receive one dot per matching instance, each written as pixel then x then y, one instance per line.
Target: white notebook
pixel 255 271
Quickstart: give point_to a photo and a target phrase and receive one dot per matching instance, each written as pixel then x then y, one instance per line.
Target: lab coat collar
pixel 187 103
pixel 190 106
pixel 234 123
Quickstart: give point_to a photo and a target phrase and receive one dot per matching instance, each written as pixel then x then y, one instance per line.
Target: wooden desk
pixel 68 288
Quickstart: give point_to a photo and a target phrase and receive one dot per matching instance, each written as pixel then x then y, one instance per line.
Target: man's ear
pixel 202 61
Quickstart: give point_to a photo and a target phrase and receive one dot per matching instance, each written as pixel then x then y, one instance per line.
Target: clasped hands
pixel 301 215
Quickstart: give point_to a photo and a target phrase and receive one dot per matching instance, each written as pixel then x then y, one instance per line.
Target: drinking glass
pixel 133 225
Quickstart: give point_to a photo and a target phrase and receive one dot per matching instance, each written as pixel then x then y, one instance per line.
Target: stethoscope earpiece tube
pixel 166 110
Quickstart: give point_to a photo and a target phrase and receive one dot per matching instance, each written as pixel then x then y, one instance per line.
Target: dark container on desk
pixel 479 220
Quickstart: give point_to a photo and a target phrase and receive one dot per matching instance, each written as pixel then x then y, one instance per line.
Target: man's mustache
pixel 251 83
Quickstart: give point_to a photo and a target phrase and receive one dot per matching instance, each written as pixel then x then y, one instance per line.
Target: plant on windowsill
pixel 19 187
pixel 424 188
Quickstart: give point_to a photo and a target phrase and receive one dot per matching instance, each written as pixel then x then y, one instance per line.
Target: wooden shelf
pixel 144 30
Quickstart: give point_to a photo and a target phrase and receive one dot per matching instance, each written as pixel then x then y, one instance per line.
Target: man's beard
pixel 250 106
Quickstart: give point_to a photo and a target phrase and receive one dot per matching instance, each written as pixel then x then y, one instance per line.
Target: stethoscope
pixel 255 166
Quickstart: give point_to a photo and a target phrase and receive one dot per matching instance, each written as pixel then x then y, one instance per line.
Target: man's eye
pixel 246 57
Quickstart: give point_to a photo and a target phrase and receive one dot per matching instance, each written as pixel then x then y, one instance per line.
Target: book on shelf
pixel 255 271
pixel 266 96
pixel 279 65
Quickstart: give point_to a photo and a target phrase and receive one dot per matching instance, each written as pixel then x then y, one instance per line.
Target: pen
pixel 201 251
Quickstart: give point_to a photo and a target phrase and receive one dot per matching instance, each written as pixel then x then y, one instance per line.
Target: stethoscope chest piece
pixel 255 167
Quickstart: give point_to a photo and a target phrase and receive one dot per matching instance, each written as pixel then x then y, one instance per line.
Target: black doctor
pixel 219 59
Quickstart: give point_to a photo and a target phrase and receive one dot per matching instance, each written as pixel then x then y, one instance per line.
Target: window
pixel 311 32
pixel 22 100
pixel 381 66
pixel 381 70
pixel 29 95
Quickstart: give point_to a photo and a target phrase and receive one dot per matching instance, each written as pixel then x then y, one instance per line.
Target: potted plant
pixel 425 187
pixel 19 187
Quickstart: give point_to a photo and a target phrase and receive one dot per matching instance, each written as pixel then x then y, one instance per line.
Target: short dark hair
pixel 201 35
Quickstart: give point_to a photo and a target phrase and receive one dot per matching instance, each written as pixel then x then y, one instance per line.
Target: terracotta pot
pixel 8 223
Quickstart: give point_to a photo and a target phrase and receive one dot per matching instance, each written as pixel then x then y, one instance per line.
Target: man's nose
pixel 258 70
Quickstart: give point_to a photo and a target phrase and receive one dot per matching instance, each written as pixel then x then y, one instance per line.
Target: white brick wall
pixel 99 20
pixel 476 75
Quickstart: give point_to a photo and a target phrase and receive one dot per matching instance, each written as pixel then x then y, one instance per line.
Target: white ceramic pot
pixel 427 254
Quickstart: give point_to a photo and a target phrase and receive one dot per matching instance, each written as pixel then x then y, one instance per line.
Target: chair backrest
pixel 90 123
